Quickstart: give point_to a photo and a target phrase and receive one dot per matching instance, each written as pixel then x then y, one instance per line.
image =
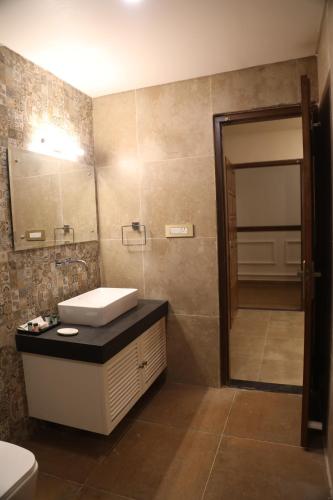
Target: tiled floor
pixel 186 443
pixel 267 346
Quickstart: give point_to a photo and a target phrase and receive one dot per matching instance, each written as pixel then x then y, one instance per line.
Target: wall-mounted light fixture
pixel 51 140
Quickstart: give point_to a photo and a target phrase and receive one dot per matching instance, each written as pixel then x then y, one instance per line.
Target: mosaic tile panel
pixel 29 282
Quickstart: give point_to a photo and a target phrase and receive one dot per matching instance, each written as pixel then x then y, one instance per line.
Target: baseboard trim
pixel 265 386
pixel 271 308
pixel 268 282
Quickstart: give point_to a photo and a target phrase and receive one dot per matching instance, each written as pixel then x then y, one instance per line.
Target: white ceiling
pixel 107 46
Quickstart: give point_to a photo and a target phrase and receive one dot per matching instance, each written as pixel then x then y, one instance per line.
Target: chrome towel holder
pixel 135 226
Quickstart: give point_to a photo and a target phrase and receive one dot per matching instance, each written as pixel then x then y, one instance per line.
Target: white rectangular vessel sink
pixel 98 307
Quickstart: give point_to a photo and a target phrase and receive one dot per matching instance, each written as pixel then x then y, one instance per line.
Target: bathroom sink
pixel 98 307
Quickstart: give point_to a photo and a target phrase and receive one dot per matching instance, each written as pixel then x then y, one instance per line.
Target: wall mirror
pixel 53 201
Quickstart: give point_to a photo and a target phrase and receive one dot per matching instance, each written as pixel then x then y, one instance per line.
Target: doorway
pixel 263 176
pixel 300 252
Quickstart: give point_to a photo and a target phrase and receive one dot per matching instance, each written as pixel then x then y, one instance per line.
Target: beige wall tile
pixel 193 350
pixel 179 191
pixel 323 57
pixel 308 66
pixel 175 120
pixel 175 146
pixel 114 127
pixel 121 266
pixel 183 271
pixel 118 192
pixel 260 86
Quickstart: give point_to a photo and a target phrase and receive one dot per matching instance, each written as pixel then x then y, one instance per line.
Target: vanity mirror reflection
pixel 53 201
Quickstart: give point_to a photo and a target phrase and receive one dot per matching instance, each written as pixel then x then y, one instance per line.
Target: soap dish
pixel 67 332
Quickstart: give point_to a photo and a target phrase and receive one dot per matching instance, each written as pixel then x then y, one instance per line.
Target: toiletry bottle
pixel 35 328
pixel 30 326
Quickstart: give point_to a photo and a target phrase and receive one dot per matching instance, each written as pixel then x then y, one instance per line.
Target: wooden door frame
pixel 221 120
pixel 323 259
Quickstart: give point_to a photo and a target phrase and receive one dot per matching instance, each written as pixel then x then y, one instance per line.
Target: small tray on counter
pixel 26 332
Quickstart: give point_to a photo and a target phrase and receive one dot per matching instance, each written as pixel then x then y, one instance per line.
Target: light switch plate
pixel 179 231
pixel 35 235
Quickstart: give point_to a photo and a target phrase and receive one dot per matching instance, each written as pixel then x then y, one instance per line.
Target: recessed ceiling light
pixel 133 1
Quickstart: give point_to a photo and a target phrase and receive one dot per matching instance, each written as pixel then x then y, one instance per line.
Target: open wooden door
pixel 232 240
pixel 308 274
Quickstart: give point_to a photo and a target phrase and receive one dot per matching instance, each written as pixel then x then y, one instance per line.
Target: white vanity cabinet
pixel 132 371
pixel 94 396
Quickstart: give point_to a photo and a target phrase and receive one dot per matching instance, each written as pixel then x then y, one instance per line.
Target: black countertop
pixel 91 344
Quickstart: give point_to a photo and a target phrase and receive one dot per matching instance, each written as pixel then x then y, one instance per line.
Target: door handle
pixel 303 273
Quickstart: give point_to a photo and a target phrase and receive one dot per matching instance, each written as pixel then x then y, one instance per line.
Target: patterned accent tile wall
pixel 29 281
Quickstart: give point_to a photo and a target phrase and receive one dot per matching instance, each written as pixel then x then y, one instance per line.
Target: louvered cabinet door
pixel 153 353
pixel 123 383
